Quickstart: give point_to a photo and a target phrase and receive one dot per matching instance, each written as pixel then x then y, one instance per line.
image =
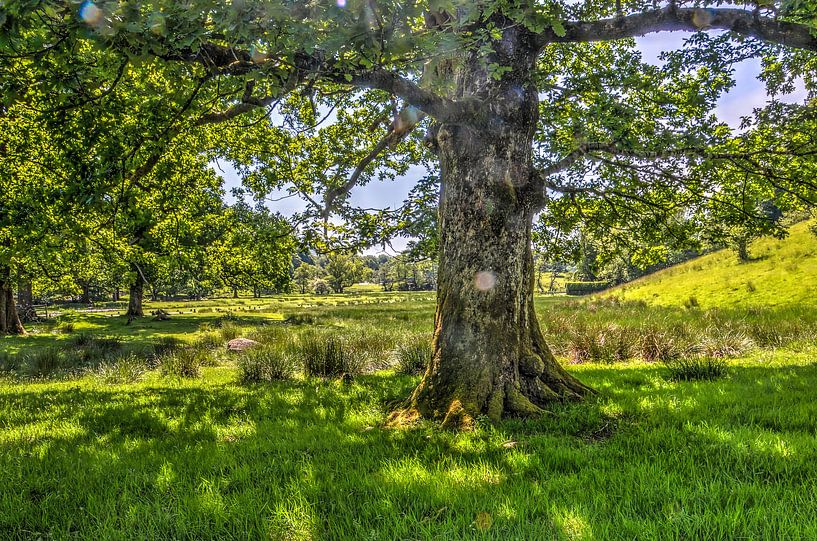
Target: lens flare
pixel 485 280
pixel 89 13
pixel 341 3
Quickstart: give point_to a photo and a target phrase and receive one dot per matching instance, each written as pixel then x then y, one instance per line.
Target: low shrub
pixel 413 357
pixel 696 368
pixel 184 363
pixel 267 363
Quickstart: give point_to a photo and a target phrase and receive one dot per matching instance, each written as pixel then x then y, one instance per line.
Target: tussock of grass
pixel 128 369
pixel 696 368
pixel 413 355
pixel 267 363
pixel 326 355
pixel 184 362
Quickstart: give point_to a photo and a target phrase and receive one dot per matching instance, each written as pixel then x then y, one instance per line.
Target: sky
pixel 748 94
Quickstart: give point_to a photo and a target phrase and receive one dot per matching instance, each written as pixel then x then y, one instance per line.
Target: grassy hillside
pixel 781 273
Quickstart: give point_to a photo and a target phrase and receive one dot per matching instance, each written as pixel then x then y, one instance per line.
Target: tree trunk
pixel 116 294
pixel 85 298
pixel 9 318
pixel 25 303
pixel 489 354
pixel 742 246
pixel 136 293
pixel 235 292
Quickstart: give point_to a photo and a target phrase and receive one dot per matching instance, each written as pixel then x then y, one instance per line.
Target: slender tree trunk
pixel 489 353
pixel 235 292
pixel 116 294
pixel 9 319
pixel 742 246
pixel 85 298
pixel 25 303
pixel 136 294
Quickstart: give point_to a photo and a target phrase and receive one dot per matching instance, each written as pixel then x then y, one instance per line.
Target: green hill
pixel 781 273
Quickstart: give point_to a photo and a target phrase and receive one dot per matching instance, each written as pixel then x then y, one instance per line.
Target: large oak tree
pixel 523 104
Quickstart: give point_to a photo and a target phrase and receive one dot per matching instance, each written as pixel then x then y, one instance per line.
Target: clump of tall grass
pixel 696 368
pixel 9 362
pixel 270 334
pixel 725 344
pixel 301 319
pixel 127 369
pixel 47 361
pixel 229 331
pixel 267 363
pixel 601 344
pixel 65 327
pixel 372 348
pixel 91 350
pixel 412 357
pixel 82 340
pixel 184 362
pixel 658 344
pixel 165 345
pixel 327 356
pixel 208 341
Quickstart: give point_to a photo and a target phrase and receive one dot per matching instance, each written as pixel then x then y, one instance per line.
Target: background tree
pixel 343 271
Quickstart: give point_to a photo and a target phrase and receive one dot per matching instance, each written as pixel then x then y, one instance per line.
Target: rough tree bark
pixel 489 354
pixel 136 294
pixel 9 318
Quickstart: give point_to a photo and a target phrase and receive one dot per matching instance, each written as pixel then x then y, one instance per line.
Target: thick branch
pixel 442 109
pixel 739 21
pixel 398 132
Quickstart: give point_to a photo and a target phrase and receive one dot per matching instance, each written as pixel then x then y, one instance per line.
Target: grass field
pixel 781 273
pixel 141 452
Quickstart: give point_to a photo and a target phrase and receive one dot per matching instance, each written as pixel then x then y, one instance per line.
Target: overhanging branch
pixel 672 18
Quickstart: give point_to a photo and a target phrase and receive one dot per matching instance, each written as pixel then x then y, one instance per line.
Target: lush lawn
pixel 175 458
pixel 781 273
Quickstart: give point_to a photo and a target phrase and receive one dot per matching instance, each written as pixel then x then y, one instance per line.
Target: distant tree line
pixel 321 274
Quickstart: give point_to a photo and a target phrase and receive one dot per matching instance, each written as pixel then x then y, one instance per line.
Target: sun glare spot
pixel 341 3
pixel 89 13
pixel 485 280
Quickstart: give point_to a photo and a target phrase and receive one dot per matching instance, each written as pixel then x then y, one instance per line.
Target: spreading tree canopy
pixel 522 105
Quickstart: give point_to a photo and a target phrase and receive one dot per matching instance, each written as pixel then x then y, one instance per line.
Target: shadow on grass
pixel 308 460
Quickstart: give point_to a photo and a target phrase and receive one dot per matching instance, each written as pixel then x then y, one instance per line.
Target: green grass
pixel 782 273
pixel 132 453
